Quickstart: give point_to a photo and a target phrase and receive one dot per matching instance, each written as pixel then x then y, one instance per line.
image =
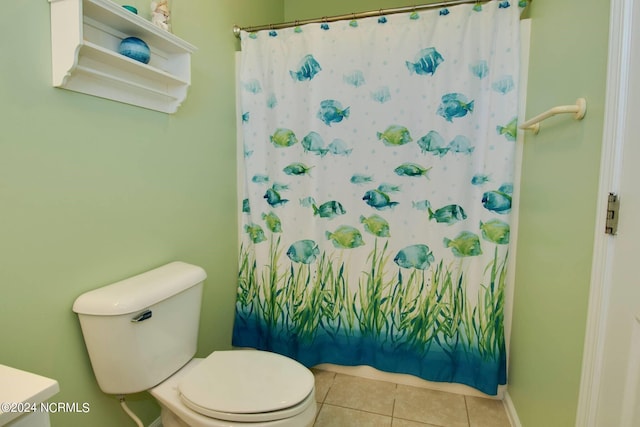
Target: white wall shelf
pixel 85 35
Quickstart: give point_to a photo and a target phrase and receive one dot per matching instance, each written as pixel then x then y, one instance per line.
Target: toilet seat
pixel 247 386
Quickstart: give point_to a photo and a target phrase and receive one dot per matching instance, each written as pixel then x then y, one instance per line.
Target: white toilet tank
pixel 141 330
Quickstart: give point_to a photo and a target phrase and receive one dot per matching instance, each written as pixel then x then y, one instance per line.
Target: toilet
pixel 141 335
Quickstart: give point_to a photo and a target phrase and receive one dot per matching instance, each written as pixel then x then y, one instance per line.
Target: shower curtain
pixel 378 162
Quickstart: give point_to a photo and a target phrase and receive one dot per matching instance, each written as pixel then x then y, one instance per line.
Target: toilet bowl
pixel 141 334
pixel 238 388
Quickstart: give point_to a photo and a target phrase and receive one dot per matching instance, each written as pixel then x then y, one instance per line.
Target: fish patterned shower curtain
pixel 377 188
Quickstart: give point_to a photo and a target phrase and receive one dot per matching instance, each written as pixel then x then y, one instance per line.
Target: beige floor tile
pixel 324 380
pixel 363 394
pixel 397 422
pixel 430 406
pixel 335 416
pixel 486 412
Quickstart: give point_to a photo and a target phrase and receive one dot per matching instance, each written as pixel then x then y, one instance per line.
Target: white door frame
pixel 620 24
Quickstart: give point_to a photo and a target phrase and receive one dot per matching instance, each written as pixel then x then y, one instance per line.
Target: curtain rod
pixel 379 12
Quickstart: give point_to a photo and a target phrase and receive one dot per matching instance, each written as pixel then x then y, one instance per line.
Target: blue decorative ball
pixel 135 48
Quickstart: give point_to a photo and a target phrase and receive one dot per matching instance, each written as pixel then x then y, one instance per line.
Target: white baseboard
pixel 511 411
pixel 156 423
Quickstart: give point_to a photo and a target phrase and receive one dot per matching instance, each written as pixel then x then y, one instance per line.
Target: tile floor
pixel 345 401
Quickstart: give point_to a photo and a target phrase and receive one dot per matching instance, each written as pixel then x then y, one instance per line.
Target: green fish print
pixel 479 179
pixel 415 256
pixel 273 222
pixel 412 169
pixel 378 200
pixel 283 138
pixel 495 231
pixel 454 105
pixel 273 198
pixel 245 206
pixel 331 111
pixel 307 69
pixel 255 232
pixel 395 135
pixel 330 209
pixel 433 143
pixel 376 225
pixel 449 214
pixel 497 201
pixel 314 143
pixel 361 179
pixel 345 237
pixel 303 251
pixel 510 130
pixel 425 62
pixel 297 169
pixel 307 202
pixel 339 148
pixel 466 244
pixel 461 144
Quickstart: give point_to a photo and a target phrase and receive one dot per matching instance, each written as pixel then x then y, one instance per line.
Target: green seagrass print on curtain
pixel 378 179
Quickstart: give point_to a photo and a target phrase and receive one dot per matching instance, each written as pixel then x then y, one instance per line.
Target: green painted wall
pixel 557 210
pixel 92 191
pixel 558 200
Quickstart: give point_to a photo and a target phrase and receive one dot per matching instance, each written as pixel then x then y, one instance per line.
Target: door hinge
pixel 613 211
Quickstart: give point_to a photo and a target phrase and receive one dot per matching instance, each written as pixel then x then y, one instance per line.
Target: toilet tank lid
pixel 139 292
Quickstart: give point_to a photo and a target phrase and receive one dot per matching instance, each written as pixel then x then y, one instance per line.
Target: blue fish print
pixel 388 188
pixel 245 117
pixel 378 200
pixel 503 5
pixel 479 179
pixel 444 12
pixel 425 62
pixel 449 214
pixel 314 143
pixel 339 148
pixel 307 69
pixel 361 179
pixel 297 168
pixel 307 202
pixel 497 201
pixel 382 20
pixel 330 209
pixel 506 188
pixel 324 26
pixel 353 23
pixel 273 33
pixel 260 179
pixel 253 86
pixel 503 85
pixel 480 69
pixel 454 105
pixel 419 257
pixel 279 187
pixel 274 199
pixel 303 251
pixel 355 79
pixel 272 101
pixel 331 111
pixel 413 170
pixel 422 205
pixel 245 206
pixel 382 95
pixel 433 143
pixel 461 144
